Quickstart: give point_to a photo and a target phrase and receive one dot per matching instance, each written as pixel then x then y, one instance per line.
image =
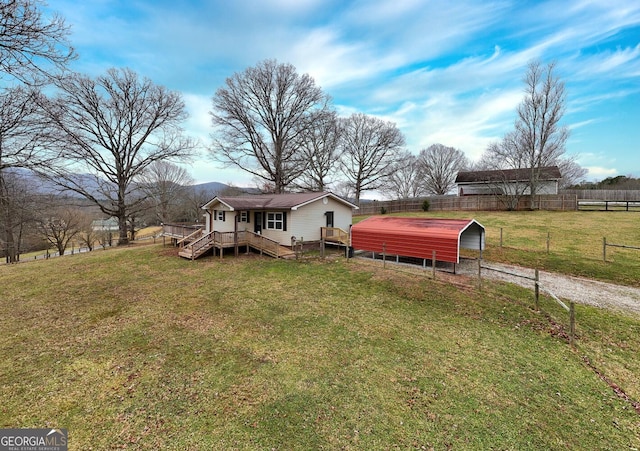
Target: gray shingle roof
pixel 285 201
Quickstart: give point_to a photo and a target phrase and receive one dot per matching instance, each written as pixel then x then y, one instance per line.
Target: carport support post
pixel 433 264
pixel 500 238
pixel 604 249
pixel 384 255
pixel 480 273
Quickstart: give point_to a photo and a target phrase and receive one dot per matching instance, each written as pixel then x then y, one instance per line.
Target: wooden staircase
pixel 200 246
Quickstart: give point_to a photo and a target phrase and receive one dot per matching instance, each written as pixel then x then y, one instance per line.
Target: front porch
pixel 196 243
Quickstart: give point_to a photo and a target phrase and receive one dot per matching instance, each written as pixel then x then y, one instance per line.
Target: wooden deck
pixel 225 240
pixel 194 242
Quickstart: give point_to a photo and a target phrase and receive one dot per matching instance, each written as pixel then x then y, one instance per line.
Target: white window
pixel 275 220
pixel 244 216
pixel 220 215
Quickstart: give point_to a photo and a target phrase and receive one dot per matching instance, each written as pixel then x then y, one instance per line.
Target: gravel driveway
pixel 576 289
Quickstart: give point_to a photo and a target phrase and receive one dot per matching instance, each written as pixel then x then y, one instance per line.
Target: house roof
pixel 287 201
pixel 507 175
pixel 413 237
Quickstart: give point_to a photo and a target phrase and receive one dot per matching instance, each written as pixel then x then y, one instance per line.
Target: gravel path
pixel 576 289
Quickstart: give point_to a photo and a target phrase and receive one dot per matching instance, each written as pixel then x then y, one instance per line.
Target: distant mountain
pixel 216 188
pixel 211 187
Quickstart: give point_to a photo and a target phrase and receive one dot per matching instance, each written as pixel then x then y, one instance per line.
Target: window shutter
pixel 215 215
pixel 224 216
pixel 284 221
pixel 264 220
pixel 248 216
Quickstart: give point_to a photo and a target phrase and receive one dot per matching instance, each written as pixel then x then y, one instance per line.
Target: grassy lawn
pixel 137 348
pixel 575 241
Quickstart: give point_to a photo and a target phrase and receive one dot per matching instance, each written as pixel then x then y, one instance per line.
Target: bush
pixel 425 205
pixel 383 211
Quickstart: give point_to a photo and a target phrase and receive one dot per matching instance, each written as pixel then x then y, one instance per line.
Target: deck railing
pixel 334 235
pixel 179 230
pixel 203 242
pixel 263 243
pixel 192 237
pixel 229 238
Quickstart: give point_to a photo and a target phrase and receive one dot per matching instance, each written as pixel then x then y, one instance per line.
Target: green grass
pixel 138 348
pixel 575 241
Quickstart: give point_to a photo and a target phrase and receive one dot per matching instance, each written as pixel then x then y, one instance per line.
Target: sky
pixel 447 72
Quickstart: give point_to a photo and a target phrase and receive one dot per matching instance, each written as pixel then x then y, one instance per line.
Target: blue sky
pixel 445 72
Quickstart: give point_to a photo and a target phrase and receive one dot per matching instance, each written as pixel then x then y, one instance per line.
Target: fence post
pixel 480 273
pixel 548 240
pixel 604 249
pixel 572 322
pixel 537 289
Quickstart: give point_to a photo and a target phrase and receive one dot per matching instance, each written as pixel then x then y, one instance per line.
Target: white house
pixel 279 216
pixel 508 181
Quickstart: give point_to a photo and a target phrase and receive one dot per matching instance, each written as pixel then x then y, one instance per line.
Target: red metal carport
pixel 418 237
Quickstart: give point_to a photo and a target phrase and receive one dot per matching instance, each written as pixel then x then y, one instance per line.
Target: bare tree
pixel 23 134
pixel 572 172
pixel 538 140
pixel 165 185
pixel 29 41
pixel 541 138
pixel 320 147
pixel 405 180
pixel 439 166
pixel 370 148
pixel 260 119
pixel 111 129
pixel 18 206
pixel 88 235
pixel 61 226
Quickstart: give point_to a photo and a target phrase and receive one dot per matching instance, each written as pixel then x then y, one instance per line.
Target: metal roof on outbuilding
pixel 418 237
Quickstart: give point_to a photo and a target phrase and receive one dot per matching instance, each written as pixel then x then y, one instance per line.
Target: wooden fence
pixel 467 203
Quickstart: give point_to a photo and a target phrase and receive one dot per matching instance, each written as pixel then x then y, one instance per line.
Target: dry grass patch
pixel 134 348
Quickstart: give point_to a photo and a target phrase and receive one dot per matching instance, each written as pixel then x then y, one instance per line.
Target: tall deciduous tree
pixel 30 43
pixel 405 180
pixel 111 129
pixel 166 186
pixel 538 139
pixel 18 207
pixel 261 117
pixel 439 166
pixel 320 147
pixel 542 138
pixel 23 134
pixel 370 148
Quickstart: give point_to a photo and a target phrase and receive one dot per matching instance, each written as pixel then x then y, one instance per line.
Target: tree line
pixel 116 140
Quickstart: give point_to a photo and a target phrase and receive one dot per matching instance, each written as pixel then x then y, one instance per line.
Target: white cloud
pixel 599 173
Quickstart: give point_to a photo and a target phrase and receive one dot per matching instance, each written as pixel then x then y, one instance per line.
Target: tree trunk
pixel 123 237
pixel 11 254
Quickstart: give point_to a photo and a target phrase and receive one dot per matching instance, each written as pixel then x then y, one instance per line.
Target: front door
pixel 329 215
pixel 257 222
